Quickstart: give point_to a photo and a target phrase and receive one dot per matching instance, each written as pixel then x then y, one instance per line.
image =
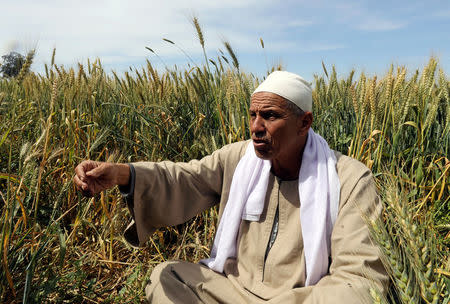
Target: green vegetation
pixel 59 247
pixel 12 64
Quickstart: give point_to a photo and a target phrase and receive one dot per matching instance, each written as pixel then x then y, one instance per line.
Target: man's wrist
pixel 127 191
pixel 123 174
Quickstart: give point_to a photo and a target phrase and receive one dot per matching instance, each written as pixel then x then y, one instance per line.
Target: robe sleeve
pixel 168 193
pixel 355 261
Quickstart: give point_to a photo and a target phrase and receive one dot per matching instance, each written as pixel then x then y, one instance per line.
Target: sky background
pixel 365 35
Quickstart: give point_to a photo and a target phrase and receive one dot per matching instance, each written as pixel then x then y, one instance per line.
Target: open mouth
pixel 260 144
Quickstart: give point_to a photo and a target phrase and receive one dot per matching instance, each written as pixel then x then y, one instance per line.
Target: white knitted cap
pixel 290 86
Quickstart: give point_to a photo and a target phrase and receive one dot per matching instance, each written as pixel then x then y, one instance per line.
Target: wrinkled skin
pixel 92 177
pixel 278 134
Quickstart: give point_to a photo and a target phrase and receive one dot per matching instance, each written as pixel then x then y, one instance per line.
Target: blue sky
pixel 365 35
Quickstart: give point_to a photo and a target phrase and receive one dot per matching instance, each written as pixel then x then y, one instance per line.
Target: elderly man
pixel 292 211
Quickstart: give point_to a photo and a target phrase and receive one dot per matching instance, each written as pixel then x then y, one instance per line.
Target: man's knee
pixel 162 269
pixel 166 285
pixel 162 274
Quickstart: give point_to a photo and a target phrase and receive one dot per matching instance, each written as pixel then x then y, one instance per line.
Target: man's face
pixel 275 129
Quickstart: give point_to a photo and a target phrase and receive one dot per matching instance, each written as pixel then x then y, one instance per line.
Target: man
pixel 291 227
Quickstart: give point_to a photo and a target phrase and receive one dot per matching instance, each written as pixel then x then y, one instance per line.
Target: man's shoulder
pixel 348 165
pixel 352 174
pixel 229 157
pixel 234 150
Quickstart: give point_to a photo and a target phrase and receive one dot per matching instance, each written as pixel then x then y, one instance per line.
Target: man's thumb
pixel 96 172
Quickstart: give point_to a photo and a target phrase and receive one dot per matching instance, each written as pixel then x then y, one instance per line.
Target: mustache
pixel 260 137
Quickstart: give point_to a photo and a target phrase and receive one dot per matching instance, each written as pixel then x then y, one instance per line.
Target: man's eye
pixel 270 115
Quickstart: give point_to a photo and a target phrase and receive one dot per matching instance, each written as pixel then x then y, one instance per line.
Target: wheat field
pixel 59 247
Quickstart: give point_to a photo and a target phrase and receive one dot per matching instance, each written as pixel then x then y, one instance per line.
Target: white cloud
pixel 378 24
pixel 357 16
pixel 442 13
pixel 300 23
pixel 9 46
pixel 117 31
pixel 316 47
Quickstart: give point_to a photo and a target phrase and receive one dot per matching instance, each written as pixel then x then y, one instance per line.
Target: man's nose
pixel 257 126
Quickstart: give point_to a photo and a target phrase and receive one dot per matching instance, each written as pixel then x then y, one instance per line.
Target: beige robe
pixel 168 193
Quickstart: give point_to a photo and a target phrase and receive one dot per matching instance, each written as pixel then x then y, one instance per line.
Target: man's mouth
pixel 260 144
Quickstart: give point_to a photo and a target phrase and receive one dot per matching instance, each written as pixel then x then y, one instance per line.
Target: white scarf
pixel 319 191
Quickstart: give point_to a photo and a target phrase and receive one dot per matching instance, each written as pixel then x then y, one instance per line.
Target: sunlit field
pixel 59 247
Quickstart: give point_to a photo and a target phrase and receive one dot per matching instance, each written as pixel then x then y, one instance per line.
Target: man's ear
pixel 304 123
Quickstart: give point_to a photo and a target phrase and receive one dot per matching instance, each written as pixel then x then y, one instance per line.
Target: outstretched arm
pixel 167 193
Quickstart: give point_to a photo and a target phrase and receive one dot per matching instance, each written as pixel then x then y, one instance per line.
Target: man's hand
pixel 92 177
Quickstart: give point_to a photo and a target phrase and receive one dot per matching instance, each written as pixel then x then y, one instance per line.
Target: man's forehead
pixel 267 100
